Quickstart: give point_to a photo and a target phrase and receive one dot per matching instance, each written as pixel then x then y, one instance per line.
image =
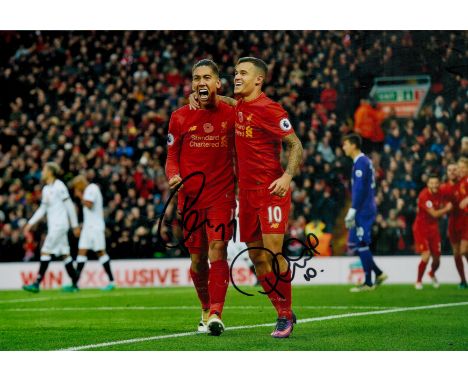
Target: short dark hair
pixel 206 62
pixel 257 62
pixel 433 175
pixel 354 139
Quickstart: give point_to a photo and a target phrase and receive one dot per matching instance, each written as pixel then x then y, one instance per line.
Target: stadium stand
pixel 100 102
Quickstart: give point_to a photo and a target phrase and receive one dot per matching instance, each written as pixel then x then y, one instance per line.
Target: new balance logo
pixel 274 225
pixel 193 128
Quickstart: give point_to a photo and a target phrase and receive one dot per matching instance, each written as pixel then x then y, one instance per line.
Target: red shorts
pixel 464 228
pixel 203 226
pixel 262 213
pixel 427 240
pixel 458 229
pixel 453 230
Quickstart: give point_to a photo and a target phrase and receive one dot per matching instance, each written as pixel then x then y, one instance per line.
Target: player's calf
pixel 218 282
pixel 80 264
pixel 44 264
pixel 73 287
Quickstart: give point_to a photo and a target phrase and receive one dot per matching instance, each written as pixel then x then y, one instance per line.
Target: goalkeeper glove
pixel 350 217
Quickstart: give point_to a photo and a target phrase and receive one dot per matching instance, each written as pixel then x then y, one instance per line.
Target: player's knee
pixel 199 259
pixel 217 250
pixel 217 246
pixel 199 262
pixel 274 244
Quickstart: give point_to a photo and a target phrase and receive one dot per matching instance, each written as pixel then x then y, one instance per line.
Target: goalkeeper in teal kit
pixel 362 213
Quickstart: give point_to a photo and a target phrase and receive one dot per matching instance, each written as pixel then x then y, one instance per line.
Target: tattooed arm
pixel 281 185
pixel 230 101
pixel 295 153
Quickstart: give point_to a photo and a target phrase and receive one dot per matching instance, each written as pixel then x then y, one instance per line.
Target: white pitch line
pixel 83 295
pixel 79 296
pixel 125 308
pixel 25 300
pixel 302 321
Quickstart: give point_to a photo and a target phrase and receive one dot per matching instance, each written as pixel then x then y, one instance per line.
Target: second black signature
pixel 190 222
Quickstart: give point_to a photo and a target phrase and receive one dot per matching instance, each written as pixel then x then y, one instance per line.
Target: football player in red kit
pixel 203 141
pixel 264 187
pixel 426 228
pixel 264 193
pixel 461 199
pixel 455 229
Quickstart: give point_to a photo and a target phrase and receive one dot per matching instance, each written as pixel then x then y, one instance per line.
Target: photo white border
pixel 238 14
pixel 232 366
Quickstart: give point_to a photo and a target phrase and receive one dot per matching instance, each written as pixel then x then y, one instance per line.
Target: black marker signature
pixel 190 216
pixel 190 223
pixel 309 250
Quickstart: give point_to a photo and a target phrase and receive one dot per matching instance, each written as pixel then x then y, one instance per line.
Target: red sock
pixel 460 268
pixel 284 287
pixel 421 268
pixel 200 280
pixel 217 285
pixel 282 303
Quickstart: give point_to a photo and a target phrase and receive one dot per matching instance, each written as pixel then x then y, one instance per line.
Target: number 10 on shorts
pixel 274 214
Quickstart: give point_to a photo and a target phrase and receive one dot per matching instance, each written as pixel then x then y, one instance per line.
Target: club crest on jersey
pixel 358 173
pixel 285 125
pixel 170 139
pixel 429 204
pixel 208 127
pixel 240 116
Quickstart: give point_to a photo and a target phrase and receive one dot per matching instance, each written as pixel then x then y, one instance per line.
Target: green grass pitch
pixel 149 319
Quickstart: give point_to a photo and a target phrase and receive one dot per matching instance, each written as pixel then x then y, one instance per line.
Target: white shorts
pixel 94 240
pixel 56 243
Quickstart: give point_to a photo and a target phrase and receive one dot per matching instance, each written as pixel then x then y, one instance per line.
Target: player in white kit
pixel 60 210
pixel 92 236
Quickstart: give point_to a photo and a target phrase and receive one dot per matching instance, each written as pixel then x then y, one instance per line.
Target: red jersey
pixel 203 140
pixel 427 200
pixel 447 190
pixel 461 192
pixel 261 125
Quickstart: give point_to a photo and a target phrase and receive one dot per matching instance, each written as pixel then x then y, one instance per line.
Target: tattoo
pixel 230 101
pixel 295 153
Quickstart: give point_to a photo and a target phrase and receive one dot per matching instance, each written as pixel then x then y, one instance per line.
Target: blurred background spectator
pixel 99 103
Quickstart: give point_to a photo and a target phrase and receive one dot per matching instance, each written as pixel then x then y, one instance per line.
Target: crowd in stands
pixel 99 103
